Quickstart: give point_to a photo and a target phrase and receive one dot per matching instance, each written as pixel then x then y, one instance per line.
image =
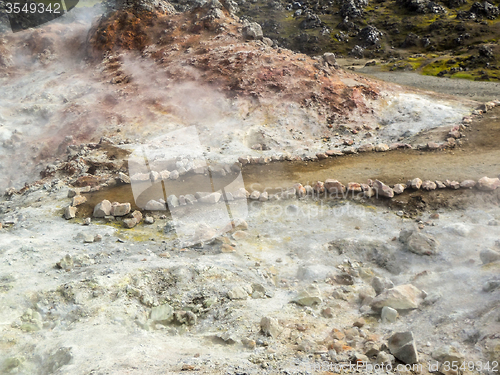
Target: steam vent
pixel 250 187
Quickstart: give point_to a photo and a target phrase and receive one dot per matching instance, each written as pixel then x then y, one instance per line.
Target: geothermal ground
pixel 181 196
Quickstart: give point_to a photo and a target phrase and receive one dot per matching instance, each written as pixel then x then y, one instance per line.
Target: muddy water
pixel 478 157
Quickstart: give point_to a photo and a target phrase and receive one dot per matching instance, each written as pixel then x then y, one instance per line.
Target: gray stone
pixel 172 201
pixel 308 296
pixel 380 284
pixel 102 209
pixel 270 326
pixel 384 358
pixel 120 209
pixel 70 212
pixel 389 315
pixel 419 243
pixel 252 31
pixel 402 346
pixel 149 220
pixel 447 353
pixel 237 292
pixel 264 197
pixel 129 223
pixel 255 195
pixel 468 184
pixel 429 185
pixel 153 205
pixel 211 198
pixel 416 183
pixel 489 256
pixel 401 297
pixel 174 175
pixel 330 58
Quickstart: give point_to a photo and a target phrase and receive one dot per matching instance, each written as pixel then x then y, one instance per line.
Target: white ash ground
pixel 95 317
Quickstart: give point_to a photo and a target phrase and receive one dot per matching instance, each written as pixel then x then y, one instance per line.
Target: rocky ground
pixel 363 216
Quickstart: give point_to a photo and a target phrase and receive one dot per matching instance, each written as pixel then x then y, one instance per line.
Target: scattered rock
pixel 401 297
pixel 120 209
pixel 309 296
pixel 270 326
pixel 416 183
pixel 380 284
pixel 399 188
pixel 488 184
pixel 382 189
pixel 70 212
pixel 237 292
pixel 102 209
pixel 402 346
pixel 78 200
pixel 389 315
pixel 429 185
pixel 489 256
pixel 419 243
pixel 162 314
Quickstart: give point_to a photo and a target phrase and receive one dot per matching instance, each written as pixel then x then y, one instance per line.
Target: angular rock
pixel 102 209
pixel 172 201
pixel 70 212
pixel 241 193
pixel 440 185
pixel 237 292
pixel 319 187
pixel 488 184
pixel 382 189
pixel 401 297
pixel 309 296
pixel 137 215
pixel 255 195
pixel 129 223
pixel 300 190
pixel 447 353
pixel 120 209
pixel 252 31
pixel 174 175
pixel 402 346
pixel 270 326
pixel 264 197
pixel 354 187
pixel 78 200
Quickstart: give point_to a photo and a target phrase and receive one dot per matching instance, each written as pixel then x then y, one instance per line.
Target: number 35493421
pixel 32 8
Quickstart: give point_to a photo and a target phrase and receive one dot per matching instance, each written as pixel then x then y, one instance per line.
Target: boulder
pixel 401 297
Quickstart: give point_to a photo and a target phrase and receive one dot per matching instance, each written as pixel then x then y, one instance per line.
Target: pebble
pixel 87 221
